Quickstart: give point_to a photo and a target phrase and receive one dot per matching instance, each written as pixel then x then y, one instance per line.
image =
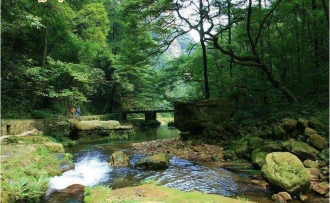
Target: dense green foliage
pixel 109 54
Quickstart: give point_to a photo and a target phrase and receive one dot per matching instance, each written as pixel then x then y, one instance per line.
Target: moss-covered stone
pixel 302 124
pixel 158 161
pixel 301 149
pixel 230 155
pixel 54 147
pixel 255 142
pixel 271 146
pixel 311 164
pixel 95 125
pixel 119 159
pixel 318 141
pixel 278 132
pixel 318 125
pixel 324 155
pixel 258 158
pixel 284 171
pixel 289 124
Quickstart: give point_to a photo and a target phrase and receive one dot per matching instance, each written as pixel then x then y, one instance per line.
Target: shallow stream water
pixel 92 169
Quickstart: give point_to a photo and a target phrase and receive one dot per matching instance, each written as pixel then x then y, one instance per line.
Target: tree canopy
pixel 110 54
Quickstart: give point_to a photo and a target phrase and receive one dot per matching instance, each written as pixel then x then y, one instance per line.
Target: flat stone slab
pixel 95 125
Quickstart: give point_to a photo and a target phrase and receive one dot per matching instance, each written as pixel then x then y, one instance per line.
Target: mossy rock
pixel 318 125
pixel 230 155
pixel 95 125
pixel 119 159
pixel 301 149
pixel 302 124
pixel 54 147
pixel 284 171
pixel 278 132
pixel 271 147
pixel 158 161
pixel 324 155
pixel 258 158
pixel 255 142
pixel 318 141
pixel 289 124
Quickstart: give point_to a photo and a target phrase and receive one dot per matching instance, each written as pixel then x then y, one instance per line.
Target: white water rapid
pixel 88 172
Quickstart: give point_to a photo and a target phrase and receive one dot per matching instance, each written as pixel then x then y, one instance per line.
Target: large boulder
pixel 195 116
pixel 95 130
pixel 119 159
pixel 94 125
pixel 157 161
pixel 284 171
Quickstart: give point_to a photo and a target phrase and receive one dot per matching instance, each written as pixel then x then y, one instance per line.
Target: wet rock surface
pixel 181 149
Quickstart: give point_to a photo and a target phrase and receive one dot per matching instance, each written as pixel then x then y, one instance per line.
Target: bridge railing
pixel 149 108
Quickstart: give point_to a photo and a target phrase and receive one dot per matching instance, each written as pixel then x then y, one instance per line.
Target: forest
pixel 105 55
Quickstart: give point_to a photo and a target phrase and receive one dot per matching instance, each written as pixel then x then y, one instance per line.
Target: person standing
pixel 72 110
pixel 78 112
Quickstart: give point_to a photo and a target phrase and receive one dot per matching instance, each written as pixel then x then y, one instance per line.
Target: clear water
pixel 92 168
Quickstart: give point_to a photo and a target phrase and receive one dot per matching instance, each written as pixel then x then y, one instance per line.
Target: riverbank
pixel 27 164
pixel 153 193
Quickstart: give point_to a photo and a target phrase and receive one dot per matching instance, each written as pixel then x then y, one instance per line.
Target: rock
pixel 317 141
pixel 242 150
pixel 278 132
pixel 309 131
pixel 318 125
pixel 314 173
pixel 95 125
pixel 325 170
pixel 258 158
pixel 119 159
pixel 301 149
pixel 255 142
pixel 195 116
pixel 171 124
pixel 289 124
pixel 321 188
pixel 271 147
pixel 230 155
pixel 311 164
pixel 54 147
pixel 302 124
pixel 303 197
pixel 281 197
pixel 76 191
pixel 284 171
pixel 324 155
pixel 158 161
pixel 95 130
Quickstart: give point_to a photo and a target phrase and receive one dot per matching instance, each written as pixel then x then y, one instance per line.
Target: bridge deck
pixel 144 111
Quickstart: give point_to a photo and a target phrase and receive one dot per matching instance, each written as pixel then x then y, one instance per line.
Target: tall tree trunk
pixel 229 36
pixel 201 38
pixel 45 46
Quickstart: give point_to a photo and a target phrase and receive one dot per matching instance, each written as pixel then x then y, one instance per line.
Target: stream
pixel 92 169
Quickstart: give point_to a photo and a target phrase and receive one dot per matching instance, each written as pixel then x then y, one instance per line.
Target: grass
pixel 153 193
pixel 27 165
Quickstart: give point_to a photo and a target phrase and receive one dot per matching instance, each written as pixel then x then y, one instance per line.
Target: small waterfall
pixel 88 172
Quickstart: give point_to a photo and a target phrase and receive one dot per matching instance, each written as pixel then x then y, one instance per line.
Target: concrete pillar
pixel 150 115
pixel 124 116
